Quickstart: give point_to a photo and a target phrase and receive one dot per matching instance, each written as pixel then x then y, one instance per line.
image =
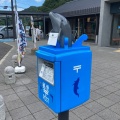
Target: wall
pixel 105 24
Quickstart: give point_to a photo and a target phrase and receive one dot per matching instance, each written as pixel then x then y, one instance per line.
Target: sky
pixel 21 4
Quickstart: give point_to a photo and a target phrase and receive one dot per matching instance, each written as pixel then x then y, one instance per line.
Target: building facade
pixel 83 16
pixel 109 30
pixel 99 19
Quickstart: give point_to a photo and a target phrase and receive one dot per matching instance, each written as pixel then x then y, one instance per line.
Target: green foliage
pixel 2 22
pixel 47 6
pixel 51 4
pixel 31 9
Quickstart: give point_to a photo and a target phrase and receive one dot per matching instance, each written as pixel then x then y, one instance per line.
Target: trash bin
pixel 9 74
pixel 2 108
pixel 14 60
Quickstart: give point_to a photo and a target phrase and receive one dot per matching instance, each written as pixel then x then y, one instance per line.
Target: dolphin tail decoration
pixel 79 41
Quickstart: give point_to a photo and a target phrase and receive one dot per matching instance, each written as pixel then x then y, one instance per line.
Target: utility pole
pixel 15 5
pixel 13 20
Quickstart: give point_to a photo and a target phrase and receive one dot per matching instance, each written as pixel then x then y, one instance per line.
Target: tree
pixel 31 9
pixel 47 6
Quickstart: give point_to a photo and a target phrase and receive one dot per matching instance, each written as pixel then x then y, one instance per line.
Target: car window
pixel 3 29
pixel 10 28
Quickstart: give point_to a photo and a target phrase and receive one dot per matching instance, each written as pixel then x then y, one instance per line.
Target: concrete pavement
pixel 21 99
pixel 4 48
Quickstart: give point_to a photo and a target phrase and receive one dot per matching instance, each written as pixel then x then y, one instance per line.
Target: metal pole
pixel 44 28
pixel 7 26
pixel 15 5
pixel 13 20
pixel 97 29
pixel 63 115
pixel 78 27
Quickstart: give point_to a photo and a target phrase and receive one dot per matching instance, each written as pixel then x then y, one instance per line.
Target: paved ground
pixel 21 98
pixel 4 48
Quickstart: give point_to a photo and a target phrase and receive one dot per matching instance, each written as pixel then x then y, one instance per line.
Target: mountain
pixel 47 6
pixel 31 9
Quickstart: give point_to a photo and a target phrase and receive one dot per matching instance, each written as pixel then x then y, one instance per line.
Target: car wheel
pixel 1 36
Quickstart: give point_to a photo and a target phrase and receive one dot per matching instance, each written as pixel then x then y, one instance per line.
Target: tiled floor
pixel 21 99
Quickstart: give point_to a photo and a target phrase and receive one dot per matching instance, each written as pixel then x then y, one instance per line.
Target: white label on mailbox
pixel 47 73
pixel 53 39
pixel 42 70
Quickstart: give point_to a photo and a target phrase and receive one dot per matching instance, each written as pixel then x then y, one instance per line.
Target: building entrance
pixel 116 30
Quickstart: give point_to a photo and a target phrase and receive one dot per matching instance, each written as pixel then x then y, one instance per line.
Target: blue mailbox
pixel 64 75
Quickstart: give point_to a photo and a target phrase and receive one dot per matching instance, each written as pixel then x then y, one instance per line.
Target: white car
pixel 6 32
pixel 2 26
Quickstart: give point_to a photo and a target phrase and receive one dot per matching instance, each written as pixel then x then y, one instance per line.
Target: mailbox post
pixel 64 76
pixel 63 115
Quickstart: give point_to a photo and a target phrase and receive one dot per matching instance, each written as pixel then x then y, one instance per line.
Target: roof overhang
pixel 112 1
pixel 89 11
pixel 24 13
pixel 79 8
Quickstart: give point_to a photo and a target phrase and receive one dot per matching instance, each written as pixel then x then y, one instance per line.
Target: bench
pixel 116 41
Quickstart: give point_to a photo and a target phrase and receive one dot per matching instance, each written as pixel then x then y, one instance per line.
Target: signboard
pixel 118 27
pixel 115 8
pixel 53 39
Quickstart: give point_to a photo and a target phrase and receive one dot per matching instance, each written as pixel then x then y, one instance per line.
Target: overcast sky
pixel 21 4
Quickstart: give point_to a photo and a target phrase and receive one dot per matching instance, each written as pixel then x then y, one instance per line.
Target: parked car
pixel 4 33
pixel 1 26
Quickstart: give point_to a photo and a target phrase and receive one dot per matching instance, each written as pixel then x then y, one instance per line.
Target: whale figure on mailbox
pixel 76 87
pixel 61 25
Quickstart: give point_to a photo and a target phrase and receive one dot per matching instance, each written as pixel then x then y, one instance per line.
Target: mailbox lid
pixel 53 54
pixel 75 79
pixel 56 51
pixel 45 55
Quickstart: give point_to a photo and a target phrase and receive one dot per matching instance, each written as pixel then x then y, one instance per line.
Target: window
pixel 10 28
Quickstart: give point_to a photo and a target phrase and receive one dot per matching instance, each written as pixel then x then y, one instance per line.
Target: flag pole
pixel 33 33
pixel 21 43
